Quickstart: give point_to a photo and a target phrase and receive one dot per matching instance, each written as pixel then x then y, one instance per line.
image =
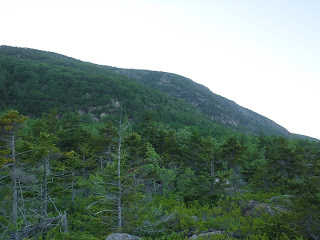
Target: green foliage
pixel 11 120
pixel 56 234
pixel 175 182
pixel 181 174
pixel 49 80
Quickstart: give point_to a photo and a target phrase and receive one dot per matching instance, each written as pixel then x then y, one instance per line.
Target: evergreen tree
pixel 10 122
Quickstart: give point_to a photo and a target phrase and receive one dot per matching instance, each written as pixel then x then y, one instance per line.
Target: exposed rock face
pixel 255 207
pixel 281 199
pixel 207 235
pixel 102 115
pixel 122 236
pixel 81 112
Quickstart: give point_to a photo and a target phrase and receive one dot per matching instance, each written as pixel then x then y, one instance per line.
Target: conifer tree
pixel 10 122
pixel 116 193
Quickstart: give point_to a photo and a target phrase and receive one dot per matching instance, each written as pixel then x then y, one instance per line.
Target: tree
pixel 232 151
pixel 46 149
pixel 107 144
pixel 116 192
pixel 10 122
pixel 24 220
pixel 121 130
pixel 4 85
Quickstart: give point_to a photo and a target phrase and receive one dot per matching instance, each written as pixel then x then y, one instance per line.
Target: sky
pixel 262 54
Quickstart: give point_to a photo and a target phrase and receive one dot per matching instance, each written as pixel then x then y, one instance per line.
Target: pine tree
pixel 10 122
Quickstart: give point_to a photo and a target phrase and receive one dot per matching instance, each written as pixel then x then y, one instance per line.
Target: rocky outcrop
pixel 215 234
pixel 255 208
pixel 122 236
pixel 207 235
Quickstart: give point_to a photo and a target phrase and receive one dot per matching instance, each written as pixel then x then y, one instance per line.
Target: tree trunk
pixel 45 188
pixel 72 187
pixel 212 168
pixel 14 189
pixel 212 171
pixel 119 181
pixel 84 170
pixel 65 222
pixel 109 154
pixel 101 163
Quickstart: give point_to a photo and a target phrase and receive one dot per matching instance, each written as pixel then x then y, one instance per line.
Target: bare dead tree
pixel 38 227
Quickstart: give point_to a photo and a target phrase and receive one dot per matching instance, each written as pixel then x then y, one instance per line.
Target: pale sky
pixel 262 54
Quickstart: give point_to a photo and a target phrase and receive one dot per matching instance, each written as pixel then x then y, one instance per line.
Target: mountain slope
pixel 216 107
pixel 34 81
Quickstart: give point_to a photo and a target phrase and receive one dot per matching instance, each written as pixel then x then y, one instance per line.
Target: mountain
pixel 218 108
pixel 34 81
pixel 174 168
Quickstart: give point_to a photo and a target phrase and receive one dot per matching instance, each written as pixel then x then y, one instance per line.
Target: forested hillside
pixel 91 152
pixel 34 82
pixel 216 107
pixel 50 80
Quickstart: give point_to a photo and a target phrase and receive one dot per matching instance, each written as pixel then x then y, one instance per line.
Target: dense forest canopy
pixel 50 80
pixel 100 154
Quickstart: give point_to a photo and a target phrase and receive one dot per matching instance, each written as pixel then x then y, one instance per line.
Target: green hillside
pixel 94 150
pixel 218 108
pixel 34 82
